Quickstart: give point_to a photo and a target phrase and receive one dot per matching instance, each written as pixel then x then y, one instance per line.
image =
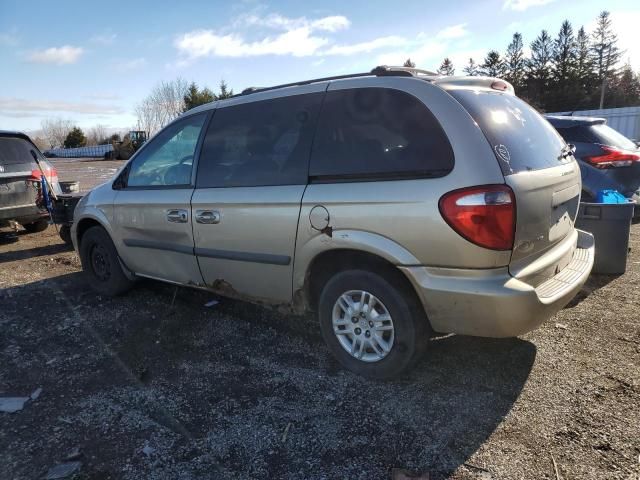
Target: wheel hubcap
pixel 99 262
pixel 363 325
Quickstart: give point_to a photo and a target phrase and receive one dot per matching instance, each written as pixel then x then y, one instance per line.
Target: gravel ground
pixel 88 171
pixel 156 385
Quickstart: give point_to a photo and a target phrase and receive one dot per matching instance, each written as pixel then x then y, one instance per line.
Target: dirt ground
pixel 155 385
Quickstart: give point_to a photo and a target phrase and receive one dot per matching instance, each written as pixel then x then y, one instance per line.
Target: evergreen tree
pixel 605 52
pixel 446 67
pixel 539 68
pixel 564 94
pixel 75 138
pixel 625 89
pixel 195 97
pixel 493 65
pixel 409 63
pixel 515 63
pixel 471 69
pixel 224 91
pixel 585 77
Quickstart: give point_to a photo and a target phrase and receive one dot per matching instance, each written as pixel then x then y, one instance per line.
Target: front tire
pixel 101 263
pixel 371 326
pixel 37 226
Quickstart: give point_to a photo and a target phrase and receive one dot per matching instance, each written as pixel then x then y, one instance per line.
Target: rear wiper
pixel 568 150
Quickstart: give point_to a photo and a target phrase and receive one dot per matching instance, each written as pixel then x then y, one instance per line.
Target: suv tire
pixel 101 263
pixel 37 226
pixel 406 328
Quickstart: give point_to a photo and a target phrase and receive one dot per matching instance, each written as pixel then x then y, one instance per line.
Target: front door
pixel 152 211
pixel 252 174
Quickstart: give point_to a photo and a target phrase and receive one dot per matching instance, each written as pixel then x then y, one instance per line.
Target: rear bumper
pixel 492 303
pixel 22 213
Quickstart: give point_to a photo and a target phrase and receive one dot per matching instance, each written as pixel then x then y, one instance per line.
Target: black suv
pixel 20 182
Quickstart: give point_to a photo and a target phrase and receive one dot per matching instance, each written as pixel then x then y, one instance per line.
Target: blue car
pixel 608 160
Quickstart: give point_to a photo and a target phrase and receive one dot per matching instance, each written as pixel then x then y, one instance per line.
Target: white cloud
pixel 108 38
pixel 331 24
pixel 521 5
pixel 366 47
pixel 20 107
pixel 299 37
pixel 274 34
pixel 454 31
pixel 57 55
pixel 298 42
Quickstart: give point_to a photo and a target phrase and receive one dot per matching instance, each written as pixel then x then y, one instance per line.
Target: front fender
pixel 345 239
pixel 97 205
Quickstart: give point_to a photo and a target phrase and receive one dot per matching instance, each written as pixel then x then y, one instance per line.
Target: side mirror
pixel 572 147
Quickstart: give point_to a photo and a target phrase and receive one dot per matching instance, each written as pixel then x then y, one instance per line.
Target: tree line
pixel 165 102
pixel 169 99
pixel 571 71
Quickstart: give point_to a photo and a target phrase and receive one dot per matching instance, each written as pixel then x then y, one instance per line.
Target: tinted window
pixel 15 151
pixel 579 134
pixel 378 132
pixel 260 143
pixel 521 138
pixel 168 158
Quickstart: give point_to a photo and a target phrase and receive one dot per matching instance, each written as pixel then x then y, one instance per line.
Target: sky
pixel 92 62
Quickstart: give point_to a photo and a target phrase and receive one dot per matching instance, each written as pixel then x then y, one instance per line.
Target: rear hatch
pixel 17 187
pixel 542 173
pixel 604 149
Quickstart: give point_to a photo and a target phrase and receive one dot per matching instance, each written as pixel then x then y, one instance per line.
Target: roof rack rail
pixel 379 71
pixel 383 70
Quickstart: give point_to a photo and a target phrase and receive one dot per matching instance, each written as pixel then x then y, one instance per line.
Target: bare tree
pixel 96 134
pixel 162 105
pixel 55 130
pixel 41 143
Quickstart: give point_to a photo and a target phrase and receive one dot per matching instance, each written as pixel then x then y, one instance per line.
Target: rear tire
pixel 399 341
pixel 37 226
pixel 101 263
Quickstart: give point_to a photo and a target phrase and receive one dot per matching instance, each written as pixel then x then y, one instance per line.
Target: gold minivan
pixel 395 204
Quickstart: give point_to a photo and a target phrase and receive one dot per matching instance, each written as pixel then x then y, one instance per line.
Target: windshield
pixel 606 135
pixel 522 140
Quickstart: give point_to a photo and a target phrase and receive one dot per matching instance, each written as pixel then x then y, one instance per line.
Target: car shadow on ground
pixel 234 390
pixel 13 255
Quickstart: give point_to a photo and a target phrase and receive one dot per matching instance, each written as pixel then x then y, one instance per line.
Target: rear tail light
pixel 484 215
pixel 613 157
pixel 36 175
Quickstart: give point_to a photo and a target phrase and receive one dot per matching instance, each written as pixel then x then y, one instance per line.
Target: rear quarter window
pixel 378 133
pixel 521 139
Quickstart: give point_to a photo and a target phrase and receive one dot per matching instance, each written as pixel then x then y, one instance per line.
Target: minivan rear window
pixel 521 139
pixel 15 150
pixel 378 133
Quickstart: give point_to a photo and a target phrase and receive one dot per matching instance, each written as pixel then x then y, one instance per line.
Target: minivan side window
pixel 378 133
pixel 261 143
pixel 168 159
